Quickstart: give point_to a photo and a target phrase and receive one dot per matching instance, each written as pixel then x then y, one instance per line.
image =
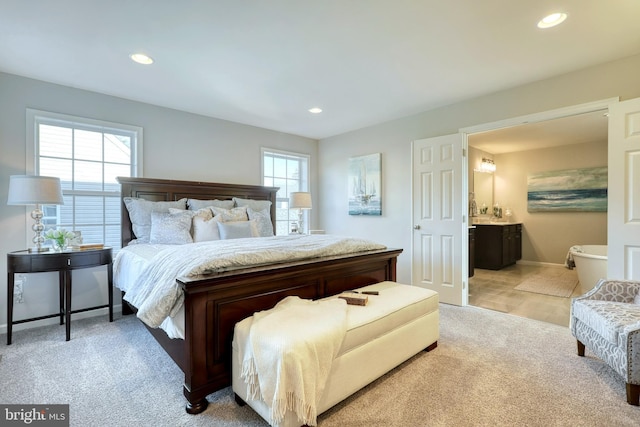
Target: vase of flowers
pixel 59 238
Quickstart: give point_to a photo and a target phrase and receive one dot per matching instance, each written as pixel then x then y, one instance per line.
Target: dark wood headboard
pixel 157 190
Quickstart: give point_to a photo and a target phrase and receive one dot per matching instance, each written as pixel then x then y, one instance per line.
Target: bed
pixel 214 303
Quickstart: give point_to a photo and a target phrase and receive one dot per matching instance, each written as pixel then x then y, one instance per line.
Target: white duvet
pixel 157 295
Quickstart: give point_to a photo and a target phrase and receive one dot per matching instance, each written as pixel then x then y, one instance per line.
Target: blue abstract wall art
pixel 570 190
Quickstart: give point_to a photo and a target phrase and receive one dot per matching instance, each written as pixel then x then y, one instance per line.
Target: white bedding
pixel 150 280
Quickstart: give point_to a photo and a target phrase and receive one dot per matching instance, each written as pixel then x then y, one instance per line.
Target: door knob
pixel 416 227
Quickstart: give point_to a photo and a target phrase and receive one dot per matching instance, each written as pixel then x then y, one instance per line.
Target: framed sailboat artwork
pixel 365 178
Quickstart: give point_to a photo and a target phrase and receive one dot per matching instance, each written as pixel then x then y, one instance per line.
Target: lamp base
pixel 39 249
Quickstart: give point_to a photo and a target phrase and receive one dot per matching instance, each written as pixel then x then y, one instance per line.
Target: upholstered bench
pixel 394 326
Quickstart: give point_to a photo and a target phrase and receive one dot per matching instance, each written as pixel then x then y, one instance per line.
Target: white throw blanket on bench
pixel 288 352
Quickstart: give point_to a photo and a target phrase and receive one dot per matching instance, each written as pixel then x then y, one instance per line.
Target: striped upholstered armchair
pixel 606 320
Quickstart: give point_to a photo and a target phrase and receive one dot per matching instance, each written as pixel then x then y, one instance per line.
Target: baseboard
pixel 56 320
pixel 541 264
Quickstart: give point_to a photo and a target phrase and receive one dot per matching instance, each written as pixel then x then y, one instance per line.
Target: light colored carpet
pixel 558 283
pixel 489 369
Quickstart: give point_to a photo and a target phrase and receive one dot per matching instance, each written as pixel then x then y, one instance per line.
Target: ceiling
pixel 265 63
pixel 578 129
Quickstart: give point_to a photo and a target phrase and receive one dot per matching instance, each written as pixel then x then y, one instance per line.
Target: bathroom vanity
pixel 497 245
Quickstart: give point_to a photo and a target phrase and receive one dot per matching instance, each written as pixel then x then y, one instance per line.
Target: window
pixel 290 172
pixel 87 155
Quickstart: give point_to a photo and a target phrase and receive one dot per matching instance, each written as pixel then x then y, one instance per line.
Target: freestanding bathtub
pixel 591 264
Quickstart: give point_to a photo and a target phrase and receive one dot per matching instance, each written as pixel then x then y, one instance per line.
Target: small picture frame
pixel 76 240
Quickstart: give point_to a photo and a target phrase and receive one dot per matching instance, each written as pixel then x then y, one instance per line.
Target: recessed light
pixel 552 20
pixel 141 58
pixel 315 110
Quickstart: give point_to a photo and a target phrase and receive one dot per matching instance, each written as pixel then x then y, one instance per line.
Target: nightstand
pixel 64 263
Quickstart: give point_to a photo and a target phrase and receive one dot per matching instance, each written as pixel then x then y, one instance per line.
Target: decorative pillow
pixel 204 230
pixel 195 204
pixel 256 205
pixel 140 214
pixel 226 215
pixel 171 228
pixel 263 221
pixel 203 214
pixel 237 229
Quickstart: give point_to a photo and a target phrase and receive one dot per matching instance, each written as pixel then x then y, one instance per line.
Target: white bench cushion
pixel 395 306
pixel 395 325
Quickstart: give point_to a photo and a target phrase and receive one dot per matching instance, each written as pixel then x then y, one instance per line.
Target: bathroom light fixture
pixel 487 165
pixel 552 20
pixel 315 110
pixel 141 58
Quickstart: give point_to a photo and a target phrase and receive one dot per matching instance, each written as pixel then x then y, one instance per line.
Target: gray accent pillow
pixel 195 204
pixel 263 221
pixel 171 228
pixel 204 229
pixel 140 214
pixel 237 229
pixel 256 205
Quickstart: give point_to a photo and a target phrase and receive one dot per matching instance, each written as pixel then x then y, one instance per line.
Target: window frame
pixel 304 184
pixel 35 117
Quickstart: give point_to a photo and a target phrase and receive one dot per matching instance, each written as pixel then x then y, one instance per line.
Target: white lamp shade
pixel 34 190
pixel 300 200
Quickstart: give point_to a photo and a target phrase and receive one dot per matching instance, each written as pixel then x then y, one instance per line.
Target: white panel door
pixel 439 244
pixel 624 191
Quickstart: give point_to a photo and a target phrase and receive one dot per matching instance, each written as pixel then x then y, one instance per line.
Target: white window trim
pixel 32 115
pixel 289 153
pixel 31 129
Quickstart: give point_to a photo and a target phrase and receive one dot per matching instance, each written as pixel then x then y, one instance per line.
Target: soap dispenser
pixel 473 207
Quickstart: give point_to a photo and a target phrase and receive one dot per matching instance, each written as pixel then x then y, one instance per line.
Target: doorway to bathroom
pixel 562 141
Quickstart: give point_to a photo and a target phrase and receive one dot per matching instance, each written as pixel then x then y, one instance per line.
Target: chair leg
pixel 580 348
pixel 633 394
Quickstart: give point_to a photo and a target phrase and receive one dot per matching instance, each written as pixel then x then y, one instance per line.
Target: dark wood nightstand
pixel 64 263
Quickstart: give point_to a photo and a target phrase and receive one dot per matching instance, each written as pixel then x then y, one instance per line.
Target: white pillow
pixel 226 215
pixel 170 228
pixel 140 214
pixel 195 204
pixel 263 221
pixel 256 205
pixel 204 230
pixel 237 229
pixel 205 214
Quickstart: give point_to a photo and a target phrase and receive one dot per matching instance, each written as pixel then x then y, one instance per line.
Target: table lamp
pixel 35 190
pixel 300 200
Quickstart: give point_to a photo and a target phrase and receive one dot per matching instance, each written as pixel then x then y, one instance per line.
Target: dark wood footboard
pixel 214 304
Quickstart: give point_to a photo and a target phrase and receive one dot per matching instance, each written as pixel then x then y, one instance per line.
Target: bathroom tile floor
pixel 494 290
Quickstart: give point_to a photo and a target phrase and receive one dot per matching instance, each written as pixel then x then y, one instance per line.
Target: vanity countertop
pixel 499 223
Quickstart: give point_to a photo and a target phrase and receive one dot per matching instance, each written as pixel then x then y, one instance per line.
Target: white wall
pixel 393 140
pixel 177 145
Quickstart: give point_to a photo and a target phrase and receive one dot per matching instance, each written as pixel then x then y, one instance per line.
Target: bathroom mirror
pixel 483 189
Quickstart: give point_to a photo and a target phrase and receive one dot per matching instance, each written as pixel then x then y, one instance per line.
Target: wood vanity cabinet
pixel 472 244
pixel 497 245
